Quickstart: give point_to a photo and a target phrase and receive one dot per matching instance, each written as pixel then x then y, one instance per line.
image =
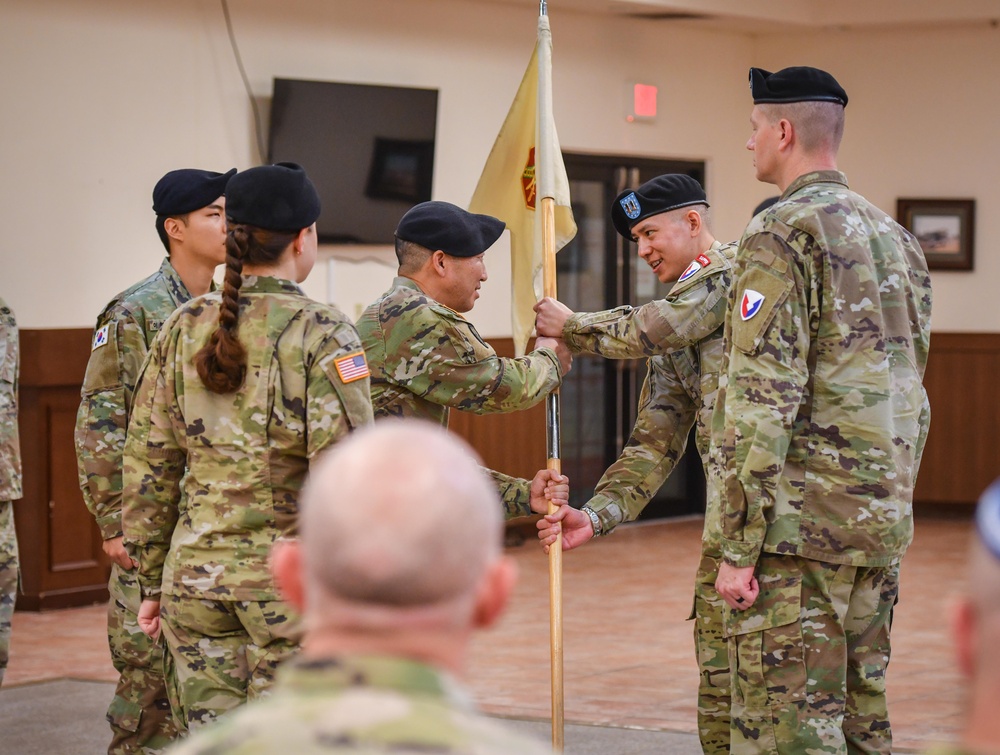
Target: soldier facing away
pixel 10 476
pixel 427 359
pixel 190 220
pixel 242 389
pixel 392 587
pixel 825 419
pixel 682 336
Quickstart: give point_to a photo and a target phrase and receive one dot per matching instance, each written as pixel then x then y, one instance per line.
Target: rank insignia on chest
pixel 751 303
pixel 100 337
pixel 693 268
pixel 352 367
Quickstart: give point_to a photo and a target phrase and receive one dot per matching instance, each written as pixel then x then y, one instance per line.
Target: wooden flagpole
pixel 554 462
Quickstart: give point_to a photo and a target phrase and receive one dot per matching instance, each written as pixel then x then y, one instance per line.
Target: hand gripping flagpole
pixel 547 195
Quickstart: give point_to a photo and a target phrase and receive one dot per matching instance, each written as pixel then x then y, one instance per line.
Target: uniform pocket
pixel 765 645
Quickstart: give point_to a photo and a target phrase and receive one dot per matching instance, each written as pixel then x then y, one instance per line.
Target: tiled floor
pixel 627 648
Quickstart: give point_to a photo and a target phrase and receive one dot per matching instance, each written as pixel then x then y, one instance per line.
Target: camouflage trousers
pixel 225 652
pixel 139 714
pixel 810 657
pixel 712 652
pixel 8 579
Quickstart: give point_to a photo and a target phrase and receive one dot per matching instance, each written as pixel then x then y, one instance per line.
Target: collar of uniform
pixel 177 288
pixel 816 177
pixel 341 673
pixel 265 284
pixel 403 282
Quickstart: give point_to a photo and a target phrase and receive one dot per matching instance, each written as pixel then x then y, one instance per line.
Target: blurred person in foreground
pixel 975 629
pixel 391 585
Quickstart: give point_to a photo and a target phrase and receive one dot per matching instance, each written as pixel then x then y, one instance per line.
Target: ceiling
pixel 758 16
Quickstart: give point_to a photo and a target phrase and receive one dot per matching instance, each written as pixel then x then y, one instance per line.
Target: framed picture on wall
pixel 944 227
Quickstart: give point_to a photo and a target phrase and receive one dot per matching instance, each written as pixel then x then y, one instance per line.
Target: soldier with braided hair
pixel 242 389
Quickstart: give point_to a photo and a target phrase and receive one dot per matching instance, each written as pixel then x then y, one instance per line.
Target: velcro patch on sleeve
pixel 759 294
pixel 352 367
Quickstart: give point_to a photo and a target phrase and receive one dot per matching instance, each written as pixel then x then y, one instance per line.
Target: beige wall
pixel 101 97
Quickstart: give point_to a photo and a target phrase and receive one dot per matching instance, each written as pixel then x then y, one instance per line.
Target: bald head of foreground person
pixel 399 561
pixel 383 563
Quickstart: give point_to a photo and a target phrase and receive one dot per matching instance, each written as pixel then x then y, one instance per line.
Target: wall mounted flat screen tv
pixel 369 150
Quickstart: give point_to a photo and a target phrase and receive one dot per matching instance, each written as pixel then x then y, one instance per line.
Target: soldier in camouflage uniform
pixel 682 336
pixel 975 628
pixel 241 390
pixel 10 476
pixel 427 359
pixel 825 419
pixel 190 221
pixel 391 591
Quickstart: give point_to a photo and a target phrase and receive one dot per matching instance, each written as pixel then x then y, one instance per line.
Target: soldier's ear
pixel 286 565
pixel 174 228
pixel 439 263
pixel 694 222
pixel 494 591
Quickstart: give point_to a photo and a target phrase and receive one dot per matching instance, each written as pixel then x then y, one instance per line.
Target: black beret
pixel 450 229
pixel 796 84
pixel 188 189
pixel 661 194
pixel 277 197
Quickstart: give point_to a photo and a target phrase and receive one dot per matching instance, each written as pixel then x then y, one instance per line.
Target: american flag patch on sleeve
pixel 352 367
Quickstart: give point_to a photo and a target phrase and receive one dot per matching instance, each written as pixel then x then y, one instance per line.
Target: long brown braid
pixel 222 362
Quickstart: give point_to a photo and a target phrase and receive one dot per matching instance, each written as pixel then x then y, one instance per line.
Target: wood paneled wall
pixel 962 455
pixel 61 558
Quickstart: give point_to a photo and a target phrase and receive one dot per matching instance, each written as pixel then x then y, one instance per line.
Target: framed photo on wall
pixel 944 227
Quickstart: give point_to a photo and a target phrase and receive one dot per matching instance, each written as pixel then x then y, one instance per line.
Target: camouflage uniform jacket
pixel 360 704
pixel 694 309
pixel 124 331
pixel 825 413
pixel 426 359
pixel 679 390
pixel 210 480
pixel 10 449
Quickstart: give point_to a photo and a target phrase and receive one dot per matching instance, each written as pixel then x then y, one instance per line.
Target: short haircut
pixel 411 256
pixel 818 125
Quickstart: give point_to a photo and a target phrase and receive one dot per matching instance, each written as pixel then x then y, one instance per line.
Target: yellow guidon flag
pixel 525 165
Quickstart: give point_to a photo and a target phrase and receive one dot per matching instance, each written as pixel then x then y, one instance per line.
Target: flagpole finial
pixel 543 8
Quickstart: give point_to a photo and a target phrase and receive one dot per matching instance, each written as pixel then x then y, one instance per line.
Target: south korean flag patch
pixel 693 268
pixel 100 337
pixel 750 304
